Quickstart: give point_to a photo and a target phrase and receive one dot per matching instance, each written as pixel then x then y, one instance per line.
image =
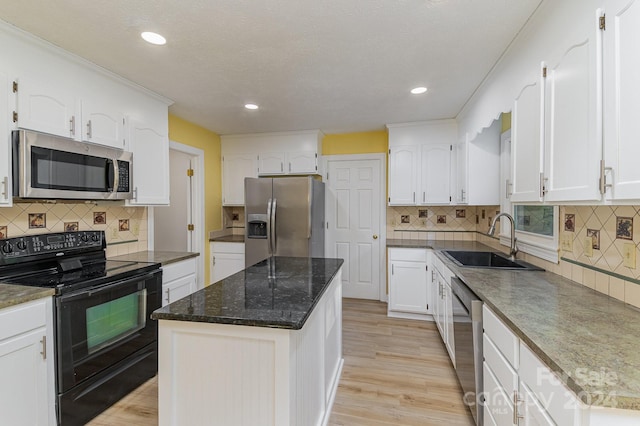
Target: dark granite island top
pixel 251 298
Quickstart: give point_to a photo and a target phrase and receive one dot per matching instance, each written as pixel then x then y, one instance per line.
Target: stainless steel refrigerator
pixel 283 217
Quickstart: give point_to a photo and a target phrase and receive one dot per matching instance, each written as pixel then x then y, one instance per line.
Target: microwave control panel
pixel 123 176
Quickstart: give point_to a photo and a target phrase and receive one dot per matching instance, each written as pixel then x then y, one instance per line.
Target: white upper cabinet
pixel 573 118
pixel 622 100
pixel 103 124
pixel 478 168
pixel 420 163
pixel 47 108
pixel 435 174
pixel 5 144
pixel 267 154
pixel 150 149
pixel 236 167
pixel 527 142
pixel 403 175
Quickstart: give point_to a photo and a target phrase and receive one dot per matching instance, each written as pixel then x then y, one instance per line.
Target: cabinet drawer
pixel 502 337
pixel 177 270
pixel 227 248
pixel 531 409
pixel 497 403
pixel 21 318
pixel 408 254
pixel 563 407
pixel 505 374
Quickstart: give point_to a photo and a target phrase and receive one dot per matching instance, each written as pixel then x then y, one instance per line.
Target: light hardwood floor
pixel 396 372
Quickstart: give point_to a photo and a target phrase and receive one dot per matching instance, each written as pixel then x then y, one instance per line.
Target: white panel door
pixel 171 223
pixel 408 287
pixel 573 120
pixel 527 143
pixel 435 174
pixel 353 223
pixel 622 98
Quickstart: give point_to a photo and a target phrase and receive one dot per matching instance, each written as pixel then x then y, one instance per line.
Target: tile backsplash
pixel 125 227
pixel 233 219
pixel 439 222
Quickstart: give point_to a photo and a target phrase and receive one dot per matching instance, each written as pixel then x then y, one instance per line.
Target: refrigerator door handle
pixel 310 200
pixel 274 233
pixel 269 209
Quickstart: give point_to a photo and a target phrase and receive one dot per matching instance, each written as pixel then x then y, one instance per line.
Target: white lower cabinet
pixel 27 388
pixel 518 388
pixel 178 280
pixel 409 286
pixel 226 259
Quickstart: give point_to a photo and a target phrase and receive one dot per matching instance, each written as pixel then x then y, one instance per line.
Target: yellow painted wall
pixel 193 135
pixel 506 121
pixel 356 143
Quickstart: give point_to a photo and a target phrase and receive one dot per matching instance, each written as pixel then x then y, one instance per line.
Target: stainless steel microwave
pixel 53 167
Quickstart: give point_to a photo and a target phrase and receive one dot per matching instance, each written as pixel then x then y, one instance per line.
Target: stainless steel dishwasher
pixel 467 332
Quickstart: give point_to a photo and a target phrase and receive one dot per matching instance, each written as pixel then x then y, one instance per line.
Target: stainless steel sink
pixel 487 259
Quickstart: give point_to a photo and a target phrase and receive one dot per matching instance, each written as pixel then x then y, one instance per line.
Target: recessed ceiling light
pixel 251 106
pixel 418 90
pixel 153 38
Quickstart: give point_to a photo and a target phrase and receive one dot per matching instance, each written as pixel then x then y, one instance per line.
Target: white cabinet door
pixel 527 142
pixel 102 124
pixel 26 364
pixel 408 286
pixel 236 167
pixel 177 289
pixel 462 163
pixel 271 163
pixel 47 108
pixel 622 98
pixel 573 119
pixel 6 199
pixel 435 174
pixel 225 265
pixel 302 162
pixel 150 165
pixel 403 175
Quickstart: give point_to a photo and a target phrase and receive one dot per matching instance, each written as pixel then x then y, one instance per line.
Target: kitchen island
pixel 261 347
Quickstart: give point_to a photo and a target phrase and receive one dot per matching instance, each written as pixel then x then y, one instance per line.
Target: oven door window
pixel 54 169
pixel 113 320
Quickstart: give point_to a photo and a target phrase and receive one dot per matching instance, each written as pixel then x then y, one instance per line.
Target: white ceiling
pixel 334 65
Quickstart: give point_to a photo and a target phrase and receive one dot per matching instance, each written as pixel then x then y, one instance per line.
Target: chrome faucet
pixel 492 230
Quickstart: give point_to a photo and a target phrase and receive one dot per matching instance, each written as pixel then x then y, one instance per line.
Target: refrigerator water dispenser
pixel 257 226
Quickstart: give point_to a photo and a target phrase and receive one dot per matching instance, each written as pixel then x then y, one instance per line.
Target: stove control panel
pixel 56 244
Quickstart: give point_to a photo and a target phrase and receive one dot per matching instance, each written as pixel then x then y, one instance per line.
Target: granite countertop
pixel 13 294
pixel 250 298
pixel 228 239
pixel 162 257
pixel 589 339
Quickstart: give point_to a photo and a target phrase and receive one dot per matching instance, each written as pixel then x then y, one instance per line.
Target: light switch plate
pixel 629 255
pixel 588 247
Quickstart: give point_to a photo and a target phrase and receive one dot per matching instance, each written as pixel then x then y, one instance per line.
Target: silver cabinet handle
pixel 168 295
pixel 507 194
pixel 44 347
pixel 89 129
pixel 414 196
pixel 289 166
pixel 135 193
pixel 392 270
pixel 5 187
pixel 281 167
pixel 213 261
pixel 72 125
pixel 424 195
pixel 516 402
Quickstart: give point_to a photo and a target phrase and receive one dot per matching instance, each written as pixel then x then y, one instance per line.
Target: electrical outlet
pixel 588 247
pixel 566 242
pixel 629 255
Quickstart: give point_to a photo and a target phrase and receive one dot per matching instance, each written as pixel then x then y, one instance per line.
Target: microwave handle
pixel 112 174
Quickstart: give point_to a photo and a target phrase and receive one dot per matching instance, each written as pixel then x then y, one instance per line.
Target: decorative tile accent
pixel 624 228
pixel 123 225
pixel 71 226
pixel 37 220
pixel 423 213
pixel 570 222
pixel 594 234
pixel 442 219
pixel 99 218
pixel 404 218
pixel 3 232
pixel 461 213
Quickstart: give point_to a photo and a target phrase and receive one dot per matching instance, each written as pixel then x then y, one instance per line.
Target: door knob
pixel 375 237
